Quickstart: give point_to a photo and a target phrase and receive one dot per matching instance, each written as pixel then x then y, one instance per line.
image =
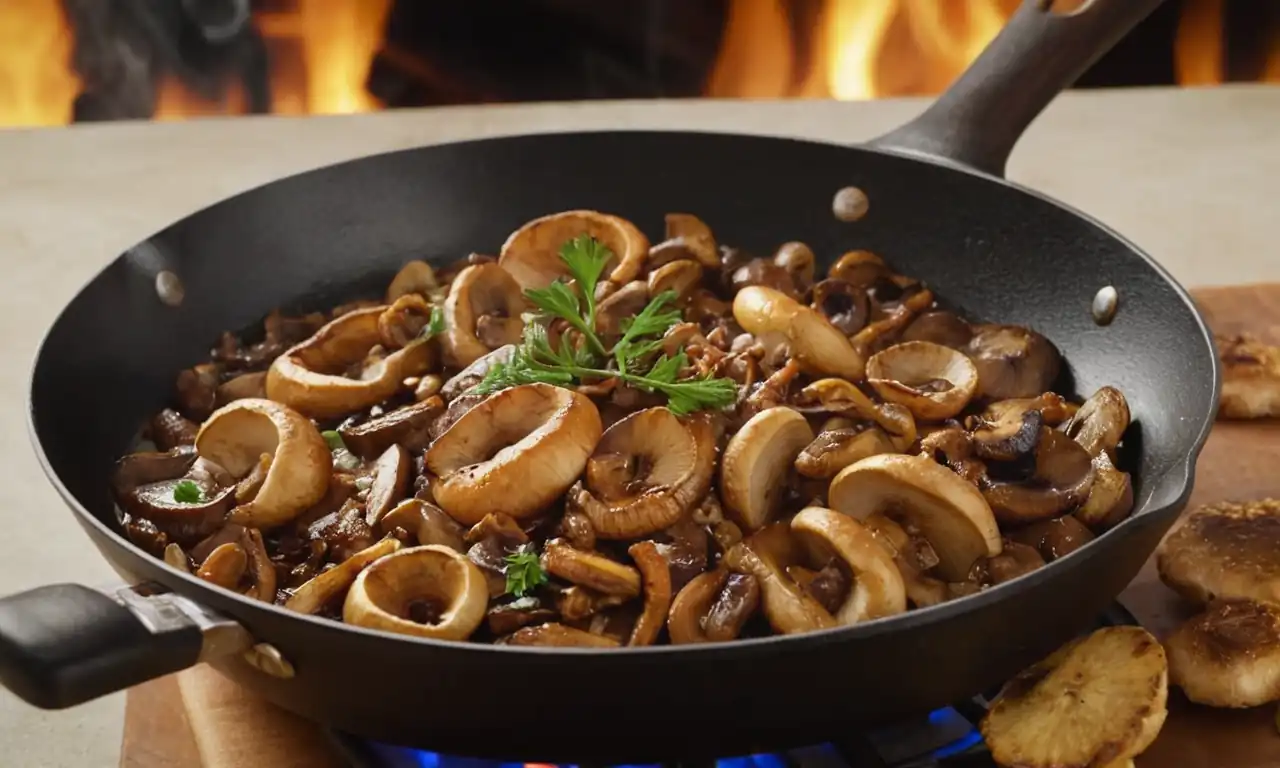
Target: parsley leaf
pixel 586 258
pixel 187 492
pixel 334 440
pixel 524 572
pixel 435 325
pixel 653 320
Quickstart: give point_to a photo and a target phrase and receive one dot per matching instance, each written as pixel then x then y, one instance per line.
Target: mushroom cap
pixel 940 327
pixel 950 513
pixel 384 594
pixel 680 276
pixel 516 452
pixel 933 382
pixel 878 589
pixel 696 237
pixel 1100 422
pixel 482 289
pixel 237 435
pixel 1061 480
pixel 144 485
pixel 414 277
pixel 1229 655
pixel 835 449
pixel 308 377
pixel 753 470
pixel 676 460
pixel 1095 702
pixel 766 555
pixel 1012 361
pixel 1110 497
pixel 818 345
pixel 1225 550
pixel 532 253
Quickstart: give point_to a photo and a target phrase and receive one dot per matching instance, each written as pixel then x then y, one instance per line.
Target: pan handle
pixel 64 644
pixel 1041 51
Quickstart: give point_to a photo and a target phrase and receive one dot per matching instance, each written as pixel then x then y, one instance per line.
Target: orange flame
pixel 36 84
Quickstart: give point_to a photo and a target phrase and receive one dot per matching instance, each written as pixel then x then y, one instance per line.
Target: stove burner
pixel 946 738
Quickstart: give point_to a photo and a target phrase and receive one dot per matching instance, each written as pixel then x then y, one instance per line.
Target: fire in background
pixel 78 60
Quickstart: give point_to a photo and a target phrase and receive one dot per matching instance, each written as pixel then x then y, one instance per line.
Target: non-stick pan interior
pixel 992 251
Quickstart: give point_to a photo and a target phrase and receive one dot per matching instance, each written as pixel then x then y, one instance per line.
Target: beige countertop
pixel 1189 175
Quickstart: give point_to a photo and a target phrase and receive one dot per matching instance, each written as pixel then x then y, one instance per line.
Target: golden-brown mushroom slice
pixel 309 377
pixel 242 386
pixel 694 237
pixel 648 470
pixel 691 604
pixel 841 397
pixel 237 435
pixel 1100 422
pixel 324 588
pixel 1229 655
pixel 224 566
pixel 390 483
pixel 820 348
pixel 427 523
pixel 877 590
pixel 516 452
pixel 427 591
pixel 481 314
pixel 858 268
pixel 1226 550
pixel 932 381
pixel 590 569
pixel 1012 361
pixel 1060 481
pixel 1098 701
pixel 834 449
pixel 680 277
pixel 532 253
pixel 914 557
pixel 950 513
pixel 559 636
pixel 766 555
pixel 415 277
pixel 940 327
pixel 756 461
pixel 175 557
pixel 657 592
pixel 1110 497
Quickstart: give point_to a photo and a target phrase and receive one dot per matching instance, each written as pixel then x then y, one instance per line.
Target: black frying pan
pixel 939 211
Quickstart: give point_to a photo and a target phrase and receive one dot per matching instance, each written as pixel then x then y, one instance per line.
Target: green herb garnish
pixel 435 325
pixel 187 492
pixel 524 572
pixel 537 361
pixel 334 440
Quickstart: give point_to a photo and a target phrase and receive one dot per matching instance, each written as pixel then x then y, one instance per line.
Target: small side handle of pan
pixel 64 644
pixel 1041 51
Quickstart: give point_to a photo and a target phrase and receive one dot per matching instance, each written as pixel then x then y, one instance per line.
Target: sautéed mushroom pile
pixel 592 440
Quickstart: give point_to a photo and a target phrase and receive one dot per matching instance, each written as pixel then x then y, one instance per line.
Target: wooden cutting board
pixel 199 719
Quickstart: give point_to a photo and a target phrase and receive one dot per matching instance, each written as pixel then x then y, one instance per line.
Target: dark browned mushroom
pixel 1014 436
pixel 799 262
pixel 426 523
pixel 558 636
pixel 953 448
pixel 407 425
pixel 1012 361
pixel 835 449
pixel 492 539
pixel 684 545
pixel 844 304
pixel 1015 559
pixel 764 273
pixel 1054 538
pixel 243 386
pixel 390 483
pixel 170 429
pixel 145 485
pixel 198 391
pixel 505 618
pixel 345 531
pixel 623 303
pixel 859 268
pixel 940 327
pixel 1060 480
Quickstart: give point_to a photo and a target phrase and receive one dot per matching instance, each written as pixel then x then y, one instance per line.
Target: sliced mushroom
pixel 532 253
pixel 766 555
pixel 197 390
pixel 1052 407
pixel 835 449
pixel 473 374
pixel 169 429
pixel 1100 422
pixel 485 290
pixel 1013 437
pixel 1015 559
pixel 236 435
pixel 941 327
pixel 657 592
pixel 877 586
pixel 953 448
pixel 859 268
pixel 559 636
pixel 815 342
pixel 309 377
pixel 799 262
pixel 506 618
pixel 845 305
pixel 427 523
pixel 679 277
pixel 224 566
pixel 1060 480
pixel 1012 361
pixel 950 513
pixel 841 397
pixel 914 557
pixel 516 452
pixel 414 277
pixel 713 607
pixel 619 306
pixel 242 386
pixel 695 236
pixel 1110 497
pixel 592 570
pixel 755 464
pixel 325 588
pixel 407 425
pixel 427 591
pixel 732 608
pixel 1054 538
pixel 144 486
pixel 932 381
pixel 647 471
pixel 262 572
pixel 577 603
pixel 390 483
pixel 404 321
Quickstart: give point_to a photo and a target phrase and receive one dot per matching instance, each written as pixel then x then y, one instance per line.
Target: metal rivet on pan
pixel 169 288
pixel 850 204
pixel 1104 305
pixel 265 657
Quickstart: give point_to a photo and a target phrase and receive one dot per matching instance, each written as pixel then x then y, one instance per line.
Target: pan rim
pixel 1178 477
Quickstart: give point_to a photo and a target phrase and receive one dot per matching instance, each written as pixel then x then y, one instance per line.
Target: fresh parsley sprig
pixel 523 571
pixel 187 492
pixel 537 360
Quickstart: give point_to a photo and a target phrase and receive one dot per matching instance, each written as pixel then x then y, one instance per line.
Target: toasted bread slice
pixel 1229 655
pixel 1250 378
pixel 1226 550
pixel 1098 701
